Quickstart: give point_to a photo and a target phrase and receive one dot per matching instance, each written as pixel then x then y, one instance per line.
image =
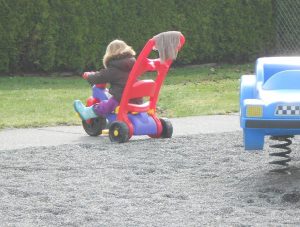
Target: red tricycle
pixel 130 119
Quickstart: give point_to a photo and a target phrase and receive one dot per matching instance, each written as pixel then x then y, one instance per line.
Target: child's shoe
pixel 84 112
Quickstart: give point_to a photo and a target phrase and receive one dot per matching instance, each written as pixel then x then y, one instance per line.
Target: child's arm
pixel 99 77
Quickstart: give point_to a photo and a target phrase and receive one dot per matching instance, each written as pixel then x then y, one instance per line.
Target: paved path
pixel 52 136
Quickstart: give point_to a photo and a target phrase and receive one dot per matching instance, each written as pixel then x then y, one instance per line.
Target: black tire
pixel 167 128
pixel 118 132
pixel 95 126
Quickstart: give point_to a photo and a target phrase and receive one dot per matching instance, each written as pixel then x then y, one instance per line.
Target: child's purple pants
pixel 105 107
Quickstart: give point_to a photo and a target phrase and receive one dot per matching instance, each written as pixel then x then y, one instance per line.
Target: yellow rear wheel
pixel 118 132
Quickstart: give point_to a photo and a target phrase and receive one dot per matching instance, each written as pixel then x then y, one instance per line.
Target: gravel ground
pixel 198 180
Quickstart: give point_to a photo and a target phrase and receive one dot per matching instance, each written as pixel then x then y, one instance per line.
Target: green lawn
pixel 47 101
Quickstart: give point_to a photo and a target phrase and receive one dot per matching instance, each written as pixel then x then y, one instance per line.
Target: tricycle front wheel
pixel 94 126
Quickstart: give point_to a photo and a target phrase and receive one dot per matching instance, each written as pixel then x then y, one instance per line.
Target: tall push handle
pixel 167 44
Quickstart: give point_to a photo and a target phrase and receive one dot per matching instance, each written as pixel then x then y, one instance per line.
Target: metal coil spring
pixel 284 155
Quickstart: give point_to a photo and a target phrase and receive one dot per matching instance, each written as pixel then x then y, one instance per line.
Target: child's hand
pixel 85 75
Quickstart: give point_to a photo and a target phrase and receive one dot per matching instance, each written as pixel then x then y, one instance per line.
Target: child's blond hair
pixel 115 48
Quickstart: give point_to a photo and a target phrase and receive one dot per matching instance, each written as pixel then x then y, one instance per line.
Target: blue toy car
pixel 270 100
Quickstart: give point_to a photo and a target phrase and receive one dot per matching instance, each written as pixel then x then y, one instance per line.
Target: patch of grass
pixel 40 101
pixel 47 101
pixel 201 98
pixel 202 90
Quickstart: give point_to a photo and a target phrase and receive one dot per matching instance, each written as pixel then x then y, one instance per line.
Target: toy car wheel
pixel 94 127
pixel 118 132
pixel 167 128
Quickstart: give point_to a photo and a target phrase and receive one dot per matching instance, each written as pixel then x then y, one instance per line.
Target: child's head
pixel 116 48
